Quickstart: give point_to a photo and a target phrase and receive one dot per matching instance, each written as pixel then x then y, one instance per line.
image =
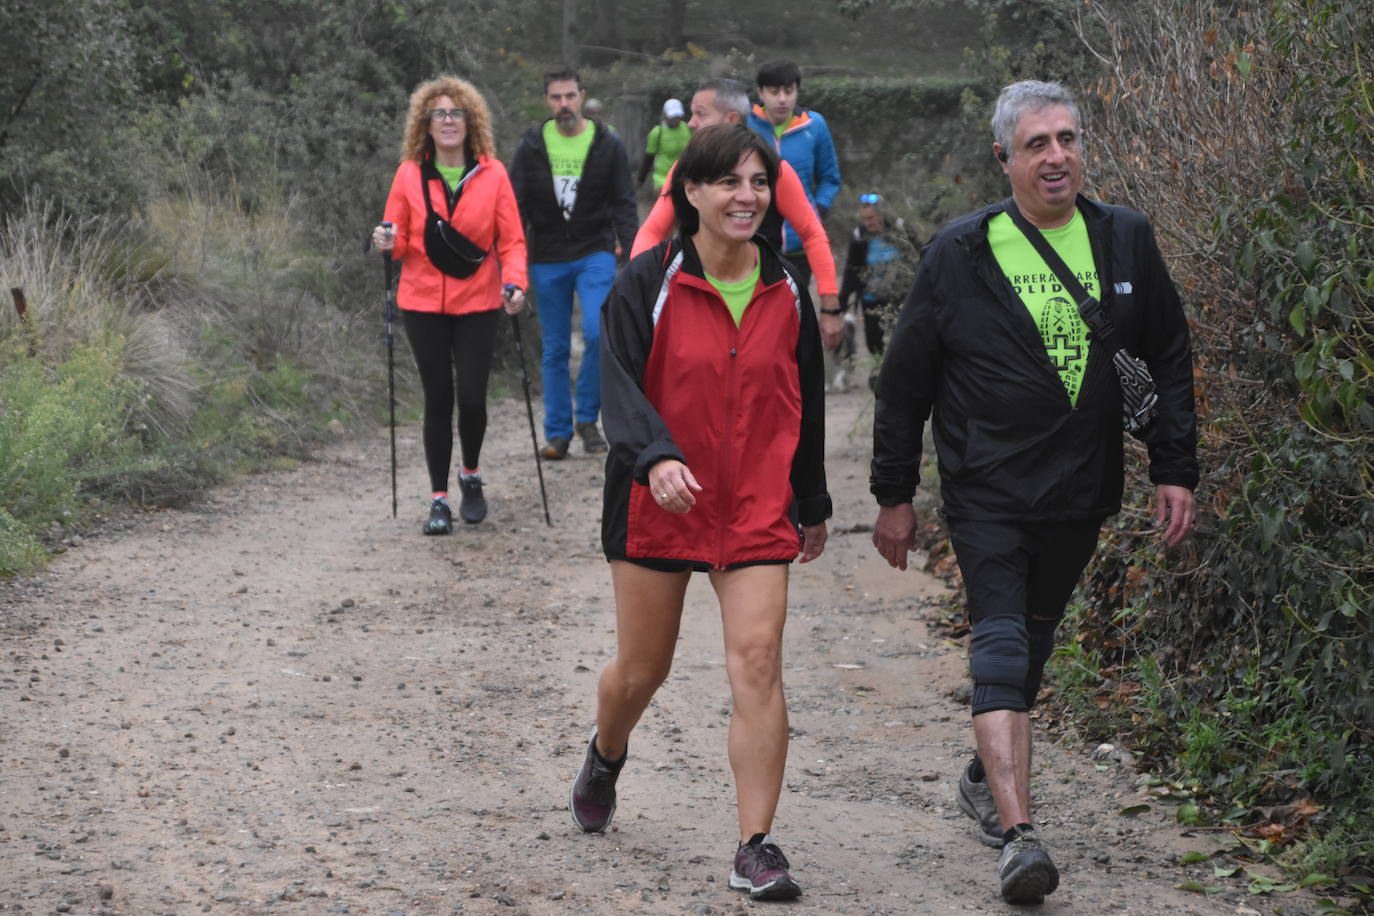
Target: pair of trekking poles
pixel 389 267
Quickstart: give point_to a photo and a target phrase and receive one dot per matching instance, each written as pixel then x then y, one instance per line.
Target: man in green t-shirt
pixel 1026 411
pixel 572 181
pixel 666 142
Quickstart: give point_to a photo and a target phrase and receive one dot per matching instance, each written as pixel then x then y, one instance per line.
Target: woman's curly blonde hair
pixel 416 143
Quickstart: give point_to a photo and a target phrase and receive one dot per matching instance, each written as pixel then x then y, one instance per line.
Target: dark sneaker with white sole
pixel 1025 869
pixel 975 800
pixel 440 519
pixel 592 798
pixel 472 505
pixel 761 869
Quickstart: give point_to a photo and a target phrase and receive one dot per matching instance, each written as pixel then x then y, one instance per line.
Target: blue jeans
pixel 553 284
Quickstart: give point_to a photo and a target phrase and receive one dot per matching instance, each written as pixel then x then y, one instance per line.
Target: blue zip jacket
pixel 807 146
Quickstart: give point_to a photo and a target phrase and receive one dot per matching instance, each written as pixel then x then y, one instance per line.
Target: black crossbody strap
pixel 1091 310
pixel 1138 396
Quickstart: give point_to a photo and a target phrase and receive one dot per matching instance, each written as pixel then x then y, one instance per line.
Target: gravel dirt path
pixel 283 701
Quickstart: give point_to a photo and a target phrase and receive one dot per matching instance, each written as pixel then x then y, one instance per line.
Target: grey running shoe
pixel 1026 870
pixel 593 443
pixel 592 798
pixel 472 505
pixel 440 519
pixel 975 800
pixel 761 869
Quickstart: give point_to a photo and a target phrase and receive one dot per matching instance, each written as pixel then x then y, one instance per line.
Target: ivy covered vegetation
pixel 1246 666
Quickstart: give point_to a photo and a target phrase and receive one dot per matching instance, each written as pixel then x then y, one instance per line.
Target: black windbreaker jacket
pixel 1009 444
pixel 605 206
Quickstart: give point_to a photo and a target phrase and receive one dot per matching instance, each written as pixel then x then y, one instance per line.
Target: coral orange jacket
pixel 486 214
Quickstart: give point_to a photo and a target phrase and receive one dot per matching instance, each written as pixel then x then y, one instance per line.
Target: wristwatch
pixel 832 311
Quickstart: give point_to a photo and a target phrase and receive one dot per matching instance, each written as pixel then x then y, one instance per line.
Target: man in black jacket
pixel 572 181
pixel 1027 421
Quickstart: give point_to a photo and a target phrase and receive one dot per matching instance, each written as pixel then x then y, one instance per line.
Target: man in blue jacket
pixel 802 137
pixel 1027 421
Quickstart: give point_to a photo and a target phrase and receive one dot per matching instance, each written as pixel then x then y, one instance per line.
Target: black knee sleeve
pixel 1040 638
pixel 998 659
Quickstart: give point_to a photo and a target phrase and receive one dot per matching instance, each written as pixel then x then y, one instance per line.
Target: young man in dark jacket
pixel 572 181
pixel 1027 419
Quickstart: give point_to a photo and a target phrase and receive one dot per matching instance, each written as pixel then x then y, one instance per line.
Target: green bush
pixel 1261 632
pixel 163 354
pixel 59 428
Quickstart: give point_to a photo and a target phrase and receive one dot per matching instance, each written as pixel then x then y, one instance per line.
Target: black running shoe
pixel 472 506
pixel 761 869
pixel 1025 869
pixel 440 518
pixel 592 799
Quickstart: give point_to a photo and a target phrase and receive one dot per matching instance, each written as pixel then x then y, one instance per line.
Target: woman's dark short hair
pixel 711 154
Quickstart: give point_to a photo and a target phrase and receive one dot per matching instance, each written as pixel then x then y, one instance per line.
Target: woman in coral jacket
pixel 447 148
pixel 712 386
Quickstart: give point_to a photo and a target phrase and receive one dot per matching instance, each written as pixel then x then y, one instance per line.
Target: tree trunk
pixel 569 38
pixel 674 22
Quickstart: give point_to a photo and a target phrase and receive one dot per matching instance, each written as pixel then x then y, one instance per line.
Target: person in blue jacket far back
pixel 800 136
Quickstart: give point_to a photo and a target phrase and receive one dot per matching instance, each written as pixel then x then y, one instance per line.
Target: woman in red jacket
pixel 712 394
pixel 449 170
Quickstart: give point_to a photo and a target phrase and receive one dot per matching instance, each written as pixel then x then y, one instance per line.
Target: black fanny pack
pixel 1139 399
pixel 452 252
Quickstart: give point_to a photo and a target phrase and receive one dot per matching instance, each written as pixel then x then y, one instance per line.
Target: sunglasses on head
pixel 870 200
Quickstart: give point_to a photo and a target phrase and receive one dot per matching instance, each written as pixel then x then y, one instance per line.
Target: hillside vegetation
pixel 184 189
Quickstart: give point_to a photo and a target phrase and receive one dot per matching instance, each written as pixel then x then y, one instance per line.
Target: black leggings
pixel 441 342
pixel 874 313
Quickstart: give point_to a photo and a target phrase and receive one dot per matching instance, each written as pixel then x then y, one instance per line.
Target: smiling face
pixel 731 208
pixel 1045 165
pixel 565 104
pixel 779 102
pixel 449 133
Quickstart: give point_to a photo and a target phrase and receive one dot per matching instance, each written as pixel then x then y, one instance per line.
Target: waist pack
pixel 452 252
pixel 1139 399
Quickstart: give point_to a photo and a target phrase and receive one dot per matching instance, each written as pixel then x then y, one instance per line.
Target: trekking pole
pixel 529 409
pixel 390 369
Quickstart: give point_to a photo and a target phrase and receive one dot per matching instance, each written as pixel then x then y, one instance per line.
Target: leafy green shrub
pixel 1263 630
pixel 217 350
pixel 58 429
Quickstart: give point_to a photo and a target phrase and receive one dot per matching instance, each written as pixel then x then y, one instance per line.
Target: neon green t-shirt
pixel 738 295
pixel 780 129
pixel 665 144
pixel 452 174
pixel 1054 311
pixel 566 158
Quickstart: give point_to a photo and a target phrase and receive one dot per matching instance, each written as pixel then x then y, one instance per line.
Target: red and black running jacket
pixel 742 407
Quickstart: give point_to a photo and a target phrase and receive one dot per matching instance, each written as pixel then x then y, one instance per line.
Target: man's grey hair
pixel 731 95
pixel 1028 95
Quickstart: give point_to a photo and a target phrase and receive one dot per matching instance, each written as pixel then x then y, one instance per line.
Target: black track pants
pixel 441 344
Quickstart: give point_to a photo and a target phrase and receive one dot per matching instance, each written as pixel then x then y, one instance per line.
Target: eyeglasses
pixel 870 200
pixel 447 114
